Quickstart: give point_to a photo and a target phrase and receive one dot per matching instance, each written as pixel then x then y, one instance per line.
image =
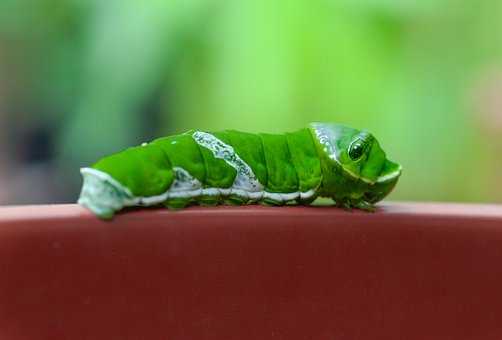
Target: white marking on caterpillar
pixel 102 194
pixel 391 175
pixel 323 138
pixel 245 179
pixel 183 181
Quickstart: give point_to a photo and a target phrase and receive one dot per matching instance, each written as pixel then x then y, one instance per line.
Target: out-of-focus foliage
pixel 92 77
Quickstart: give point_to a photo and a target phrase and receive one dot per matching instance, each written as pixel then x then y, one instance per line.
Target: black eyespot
pixel 356 150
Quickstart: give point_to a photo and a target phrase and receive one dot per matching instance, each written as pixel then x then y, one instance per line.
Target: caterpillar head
pixel 354 165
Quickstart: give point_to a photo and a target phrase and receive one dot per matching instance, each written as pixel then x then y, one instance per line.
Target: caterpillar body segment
pixel 232 167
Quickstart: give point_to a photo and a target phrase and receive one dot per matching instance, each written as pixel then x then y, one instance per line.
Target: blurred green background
pixel 81 79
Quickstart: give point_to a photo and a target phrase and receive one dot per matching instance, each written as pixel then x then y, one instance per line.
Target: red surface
pixel 410 271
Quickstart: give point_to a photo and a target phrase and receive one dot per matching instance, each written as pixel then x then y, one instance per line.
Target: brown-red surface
pixel 410 271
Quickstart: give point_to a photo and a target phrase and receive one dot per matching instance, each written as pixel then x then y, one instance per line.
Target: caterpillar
pixel 232 167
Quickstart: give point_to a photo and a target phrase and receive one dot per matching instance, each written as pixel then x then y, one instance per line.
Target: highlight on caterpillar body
pixel 232 167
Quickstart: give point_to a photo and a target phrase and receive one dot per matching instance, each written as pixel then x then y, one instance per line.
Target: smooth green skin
pixel 295 161
pixel 282 175
pixel 145 170
pixel 305 159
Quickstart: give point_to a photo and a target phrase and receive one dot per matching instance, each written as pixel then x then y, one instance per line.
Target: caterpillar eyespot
pixel 233 167
pixel 356 150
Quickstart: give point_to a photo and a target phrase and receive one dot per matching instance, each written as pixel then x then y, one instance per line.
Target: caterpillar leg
pixel 306 201
pixel 272 202
pixel 236 200
pixel 353 204
pixel 363 205
pixel 343 204
pixel 177 203
pixel 208 201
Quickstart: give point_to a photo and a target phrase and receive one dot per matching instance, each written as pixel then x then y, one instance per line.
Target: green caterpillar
pixel 232 167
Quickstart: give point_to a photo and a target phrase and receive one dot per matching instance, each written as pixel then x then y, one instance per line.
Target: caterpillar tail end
pixel 101 194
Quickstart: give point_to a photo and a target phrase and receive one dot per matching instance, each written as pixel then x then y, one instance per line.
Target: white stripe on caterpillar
pixel 245 179
pixel 103 195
